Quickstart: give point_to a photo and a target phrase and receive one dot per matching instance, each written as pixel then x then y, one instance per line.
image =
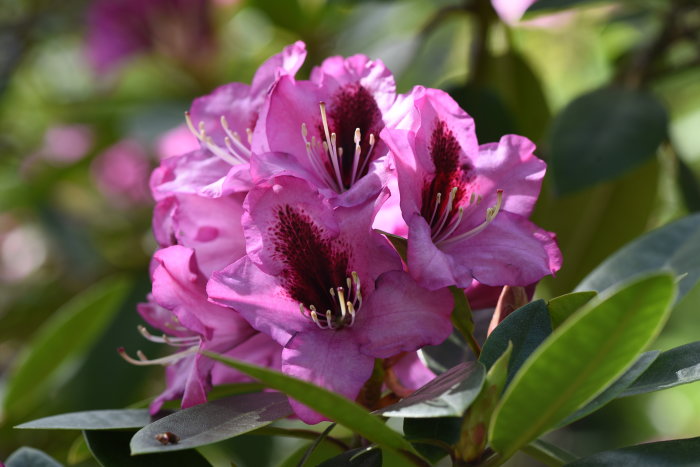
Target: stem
pixel 297 433
pixel 315 444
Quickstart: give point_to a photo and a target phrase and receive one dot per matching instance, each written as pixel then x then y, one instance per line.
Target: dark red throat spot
pixel 313 264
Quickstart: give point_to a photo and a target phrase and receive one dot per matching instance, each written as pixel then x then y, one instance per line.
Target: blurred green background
pixel 621 163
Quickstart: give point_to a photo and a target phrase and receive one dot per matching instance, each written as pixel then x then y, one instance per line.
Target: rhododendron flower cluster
pixel 268 232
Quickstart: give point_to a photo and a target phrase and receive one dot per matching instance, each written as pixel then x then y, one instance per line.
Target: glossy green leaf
pixel 111 449
pixel 560 308
pixel 616 388
pixel 444 430
pixel 83 319
pixel 674 247
pixel 491 115
pixel 603 134
pixel 360 457
pixel 92 420
pixel 213 421
pixel 672 368
pixel 399 243
pixel 580 359
pixel 526 328
pixel 674 453
pixel 450 394
pixel 333 406
pixel 30 457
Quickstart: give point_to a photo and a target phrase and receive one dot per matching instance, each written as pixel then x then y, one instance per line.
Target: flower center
pixel 235 151
pixel 345 148
pixel 315 272
pixel 444 197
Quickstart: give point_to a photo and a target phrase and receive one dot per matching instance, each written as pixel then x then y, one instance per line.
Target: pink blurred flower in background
pixel 66 144
pixel 121 173
pixel 119 29
pixel 176 142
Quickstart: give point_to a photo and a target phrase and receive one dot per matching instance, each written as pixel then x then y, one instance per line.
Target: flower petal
pixel 401 316
pixel 330 359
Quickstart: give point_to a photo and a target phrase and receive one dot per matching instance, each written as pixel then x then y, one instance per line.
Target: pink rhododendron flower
pixel 119 29
pixel 223 122
pixel 178 306
pixel 467 205
pixel 322 284
pixel 326 130
pixel 121 173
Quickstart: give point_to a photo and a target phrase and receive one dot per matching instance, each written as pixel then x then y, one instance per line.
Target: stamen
pixel 329 145
pixel 446 213
pixel 356 156
pixel 491 214
pixel 314 318
pixel 143 361
pixel 165 339
pixel 329 319
pixel 369 153
pixel 341 300
pixel 234 152
pixel 438 198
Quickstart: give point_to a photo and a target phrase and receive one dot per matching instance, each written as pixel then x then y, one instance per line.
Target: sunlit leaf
pixel 560 308
pixel 580 359
pixel 92 420
pixel 616 388
pixel 213 421
pixel 603 134
pixel 449 394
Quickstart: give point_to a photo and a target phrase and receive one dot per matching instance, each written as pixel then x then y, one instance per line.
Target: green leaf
pixel 560 308
pixel 491 115
pixel 111 449
pixel 449 394
pixel 213 421
pixel 83 319
pixel 333 406
pixel 580 359
pixel 672 368
pixel 674 247
pixel 602 135
pixel 360 457
pixel 91 420
pixel 443 430
pixel 675 453
pixel 30 457
pixel 399 243
pixel 527 327
pixel 616 388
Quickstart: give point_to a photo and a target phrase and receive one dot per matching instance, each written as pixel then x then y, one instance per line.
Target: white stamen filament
pixel 491 214
pixel 143 361
pixel 446 213
pixel 328 150
pixel 165 339
pixel 234 151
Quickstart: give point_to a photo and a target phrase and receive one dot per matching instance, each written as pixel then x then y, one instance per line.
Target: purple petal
pixel 329 359
pixel 510 251
pixel 259 350
pixel 259 298
pixel 411 371
pixel 401 316
pixel 199 172
pixel 286 62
